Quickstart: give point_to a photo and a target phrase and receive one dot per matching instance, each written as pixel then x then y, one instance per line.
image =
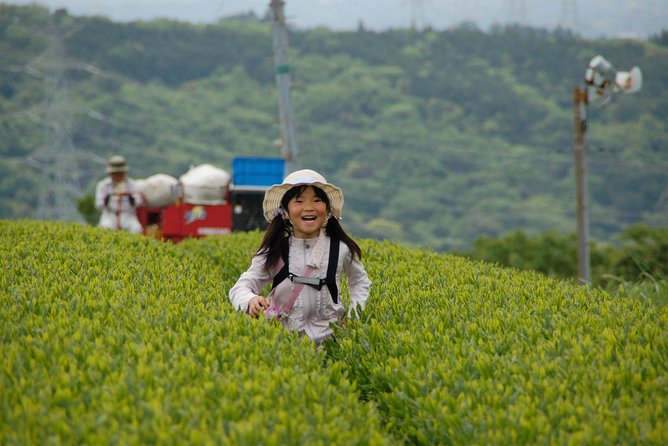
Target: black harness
pixel 316 283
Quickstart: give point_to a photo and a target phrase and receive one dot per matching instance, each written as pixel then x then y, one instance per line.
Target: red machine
pixel 183 220
pixel 240 206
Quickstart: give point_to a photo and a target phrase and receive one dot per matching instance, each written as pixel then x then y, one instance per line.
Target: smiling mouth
pixel 309 218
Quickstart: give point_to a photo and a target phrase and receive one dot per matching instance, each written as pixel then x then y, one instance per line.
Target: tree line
pixel 438 138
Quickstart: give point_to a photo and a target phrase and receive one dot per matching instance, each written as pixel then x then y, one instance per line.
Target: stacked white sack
pixel 159 190
pixel 205 184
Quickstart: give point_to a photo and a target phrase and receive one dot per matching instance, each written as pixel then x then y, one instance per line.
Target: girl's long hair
pixel 280 229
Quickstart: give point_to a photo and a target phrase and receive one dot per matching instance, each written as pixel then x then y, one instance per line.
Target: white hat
pixel 274 195
pixel 116 164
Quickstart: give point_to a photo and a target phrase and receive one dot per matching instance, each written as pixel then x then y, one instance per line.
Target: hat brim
pixel 117 169
pixel 273 196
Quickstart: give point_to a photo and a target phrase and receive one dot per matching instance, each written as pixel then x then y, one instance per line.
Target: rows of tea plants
pixel 462 353
pixel 110 338
pixel 113 338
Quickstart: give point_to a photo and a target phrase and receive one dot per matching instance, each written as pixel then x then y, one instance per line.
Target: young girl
pixel 303 254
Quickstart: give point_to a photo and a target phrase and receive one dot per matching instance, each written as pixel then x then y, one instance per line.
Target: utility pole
pixel 283 74
pixel 602 82
pixel 579 152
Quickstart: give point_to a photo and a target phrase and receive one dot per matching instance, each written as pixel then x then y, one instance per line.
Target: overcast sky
pixel 590 18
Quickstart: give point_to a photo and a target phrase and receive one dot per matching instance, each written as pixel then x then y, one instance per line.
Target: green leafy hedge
pixel 113 338
pixel 462 353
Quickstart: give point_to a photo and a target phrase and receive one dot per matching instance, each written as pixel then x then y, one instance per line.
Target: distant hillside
pixel 437 138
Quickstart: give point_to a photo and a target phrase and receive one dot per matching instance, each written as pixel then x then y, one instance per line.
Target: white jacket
pixel 118 213
pixel 314 309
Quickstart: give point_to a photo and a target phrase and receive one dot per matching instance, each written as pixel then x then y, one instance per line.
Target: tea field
pixel 112 338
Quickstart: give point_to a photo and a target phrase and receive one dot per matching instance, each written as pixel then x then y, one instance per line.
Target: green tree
pixel 86 207
pixel 643 253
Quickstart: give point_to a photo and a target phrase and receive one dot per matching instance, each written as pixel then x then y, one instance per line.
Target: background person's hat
pixel 274 195
pixel 116 164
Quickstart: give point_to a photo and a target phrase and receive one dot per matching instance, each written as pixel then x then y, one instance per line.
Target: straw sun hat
pixel 117 164
pixel 274 195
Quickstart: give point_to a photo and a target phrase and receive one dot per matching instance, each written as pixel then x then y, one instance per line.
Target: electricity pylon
pixel 61 176
pixel 417 13
pixel 518 12
pixel 569 15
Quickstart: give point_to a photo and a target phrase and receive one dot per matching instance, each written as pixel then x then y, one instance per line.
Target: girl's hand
pixel 256 305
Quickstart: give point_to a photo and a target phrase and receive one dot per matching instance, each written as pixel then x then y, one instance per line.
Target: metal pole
pixel 283 74
pixel 579 151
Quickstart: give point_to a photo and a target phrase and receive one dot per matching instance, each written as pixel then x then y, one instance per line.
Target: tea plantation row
pixel 110 338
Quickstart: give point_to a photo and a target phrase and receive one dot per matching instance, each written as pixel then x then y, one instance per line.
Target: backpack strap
pixel 330 280
pixel 282 274
pixel 331 269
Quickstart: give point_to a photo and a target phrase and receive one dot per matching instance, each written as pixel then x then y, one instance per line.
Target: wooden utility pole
pixel 579 151
pixel 283 74
pixel 602 82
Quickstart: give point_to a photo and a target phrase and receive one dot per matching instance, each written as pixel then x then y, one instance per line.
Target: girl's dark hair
pixel 280 228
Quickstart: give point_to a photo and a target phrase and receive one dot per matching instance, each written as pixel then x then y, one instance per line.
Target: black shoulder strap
pixel 331 269
pixel 283 273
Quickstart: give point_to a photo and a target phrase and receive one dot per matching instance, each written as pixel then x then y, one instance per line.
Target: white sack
pixel 159 190
pixel 205 184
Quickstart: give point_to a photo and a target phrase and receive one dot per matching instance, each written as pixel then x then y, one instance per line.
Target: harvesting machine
pixel 207 200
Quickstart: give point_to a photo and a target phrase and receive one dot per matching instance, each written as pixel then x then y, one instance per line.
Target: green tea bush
pixel 457 352
pixel 110 338
pixel 114 338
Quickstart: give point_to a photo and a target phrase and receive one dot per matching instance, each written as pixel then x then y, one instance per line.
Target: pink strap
pixel 274 311
pixel 288 307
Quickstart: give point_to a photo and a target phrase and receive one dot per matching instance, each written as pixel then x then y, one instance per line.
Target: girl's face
pixel 307 213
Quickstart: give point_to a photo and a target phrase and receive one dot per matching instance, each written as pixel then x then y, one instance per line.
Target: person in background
pixel 303 255
pixel 117 197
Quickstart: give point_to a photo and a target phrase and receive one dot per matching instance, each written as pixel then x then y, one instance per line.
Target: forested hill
pixel 436 137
